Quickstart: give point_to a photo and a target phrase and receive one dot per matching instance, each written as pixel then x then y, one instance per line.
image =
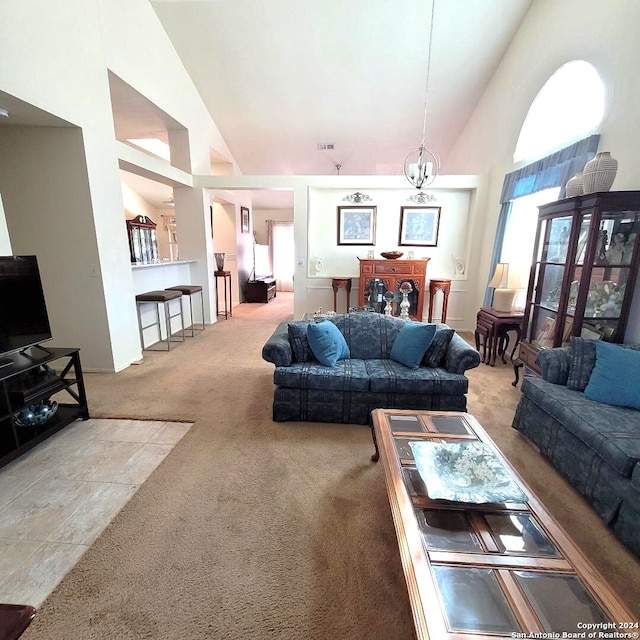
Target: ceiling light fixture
pixel 169 201
pixel 421 165
pixel 4 113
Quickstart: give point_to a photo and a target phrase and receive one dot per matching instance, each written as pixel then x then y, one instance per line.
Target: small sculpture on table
pixel 405 290
pixel 388 296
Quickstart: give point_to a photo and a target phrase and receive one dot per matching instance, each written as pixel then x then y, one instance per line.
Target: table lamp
pixel 505 282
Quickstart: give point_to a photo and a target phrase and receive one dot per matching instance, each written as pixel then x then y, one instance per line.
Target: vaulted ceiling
pixel 280 77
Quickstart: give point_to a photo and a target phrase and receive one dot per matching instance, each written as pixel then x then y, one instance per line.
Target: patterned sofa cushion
pixel 582 359
pixel 438 348
pixel 612 432
pixel 635 477
pixel 346 375
pixel 369 335
pixel 300 347
pixel 391 376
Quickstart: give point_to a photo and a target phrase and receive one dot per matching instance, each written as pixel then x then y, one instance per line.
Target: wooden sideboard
pixel 379 276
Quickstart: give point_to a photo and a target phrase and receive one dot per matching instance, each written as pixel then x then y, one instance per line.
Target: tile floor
pixel 56 499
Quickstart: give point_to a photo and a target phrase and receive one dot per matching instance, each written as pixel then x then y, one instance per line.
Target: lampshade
pixel 505 281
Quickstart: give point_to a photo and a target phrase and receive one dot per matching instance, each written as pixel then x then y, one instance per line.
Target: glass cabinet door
pixel 143 240
pixel 546 318
pixel 605 288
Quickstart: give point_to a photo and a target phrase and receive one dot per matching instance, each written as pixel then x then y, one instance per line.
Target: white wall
pixel 48 206
pixel 53 49
pixel 553 33
pixel 5 242
pixel 342 260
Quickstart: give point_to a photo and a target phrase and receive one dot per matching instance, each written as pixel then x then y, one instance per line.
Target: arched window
pixel 569 107
pixel 556 140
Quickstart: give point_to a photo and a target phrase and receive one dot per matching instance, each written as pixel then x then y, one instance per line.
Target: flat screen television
pixel 24 321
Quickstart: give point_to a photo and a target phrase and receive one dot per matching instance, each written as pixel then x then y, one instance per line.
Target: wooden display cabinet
pixel 583 273
pixel 143 240
pixel 379 276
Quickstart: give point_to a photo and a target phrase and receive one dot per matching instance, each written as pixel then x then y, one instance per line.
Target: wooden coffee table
pixel 479 570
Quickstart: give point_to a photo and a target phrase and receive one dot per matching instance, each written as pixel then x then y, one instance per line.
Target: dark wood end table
pixel 340 283
pixel 493 327
pixel 435 285
pixel 226 278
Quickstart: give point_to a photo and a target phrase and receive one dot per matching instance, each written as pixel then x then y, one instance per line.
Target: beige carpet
pixel 254 529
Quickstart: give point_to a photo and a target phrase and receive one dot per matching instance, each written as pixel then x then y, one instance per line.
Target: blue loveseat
pixel 347 392
pixel 596 446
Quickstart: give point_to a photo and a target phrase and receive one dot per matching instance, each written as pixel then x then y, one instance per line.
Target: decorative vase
pixel 219 261
pixel 598 174
pixel 574 186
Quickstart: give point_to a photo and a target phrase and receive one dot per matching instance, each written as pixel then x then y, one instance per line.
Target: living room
pixel 77 208
pixel 483 152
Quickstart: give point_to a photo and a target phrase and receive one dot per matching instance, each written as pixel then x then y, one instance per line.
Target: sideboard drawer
pixel 394 267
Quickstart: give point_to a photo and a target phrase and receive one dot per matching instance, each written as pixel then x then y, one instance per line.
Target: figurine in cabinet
pixel 616 251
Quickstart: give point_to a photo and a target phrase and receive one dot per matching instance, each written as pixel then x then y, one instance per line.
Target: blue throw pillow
pixel 327 343
pixel 412 343
pixel 616 377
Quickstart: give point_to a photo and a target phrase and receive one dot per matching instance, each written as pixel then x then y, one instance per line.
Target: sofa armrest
pixel 554 364
pixel 460 356
pixel 277 348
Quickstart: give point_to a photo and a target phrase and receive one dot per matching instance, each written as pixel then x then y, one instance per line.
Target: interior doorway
pixel 282 252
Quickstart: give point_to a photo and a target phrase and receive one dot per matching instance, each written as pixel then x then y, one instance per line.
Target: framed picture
pixel 357 225
pixel 545 331
pixel 419 226
pixel 244 220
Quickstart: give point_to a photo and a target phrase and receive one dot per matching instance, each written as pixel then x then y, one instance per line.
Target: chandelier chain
pixel 426 84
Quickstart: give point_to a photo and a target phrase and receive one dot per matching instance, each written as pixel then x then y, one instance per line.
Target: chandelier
pixel 421 165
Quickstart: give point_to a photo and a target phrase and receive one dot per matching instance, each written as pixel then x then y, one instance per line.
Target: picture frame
pixel 357 225
pixel 545 332
pixel 419 226
pixel 244 220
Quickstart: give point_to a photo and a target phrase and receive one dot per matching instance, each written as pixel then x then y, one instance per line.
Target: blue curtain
pixel 552 171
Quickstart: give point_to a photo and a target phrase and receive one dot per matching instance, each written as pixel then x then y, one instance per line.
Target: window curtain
pixel 552 171
pixel 281 253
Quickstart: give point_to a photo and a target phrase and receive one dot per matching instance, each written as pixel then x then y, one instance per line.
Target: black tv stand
pixel 5 362
pixel 28 380
pixel 34 346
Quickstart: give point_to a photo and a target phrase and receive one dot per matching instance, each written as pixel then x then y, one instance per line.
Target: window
pixel 570 106
pixel 519 235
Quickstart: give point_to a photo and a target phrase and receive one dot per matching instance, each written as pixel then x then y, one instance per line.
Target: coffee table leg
pixel 376 456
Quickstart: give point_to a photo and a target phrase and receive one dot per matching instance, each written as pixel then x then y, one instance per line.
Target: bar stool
pixel 190 290
pixel 159 298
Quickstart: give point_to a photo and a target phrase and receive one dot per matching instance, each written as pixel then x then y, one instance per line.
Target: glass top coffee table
pixel 487 559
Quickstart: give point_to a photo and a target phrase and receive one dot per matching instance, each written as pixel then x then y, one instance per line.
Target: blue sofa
pixel 595 446
pixel 348 392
